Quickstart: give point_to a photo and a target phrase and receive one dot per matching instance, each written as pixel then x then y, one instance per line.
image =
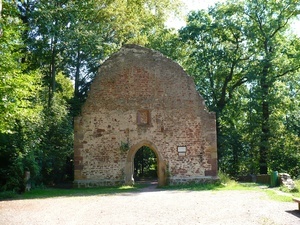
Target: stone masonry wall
pixel 140 95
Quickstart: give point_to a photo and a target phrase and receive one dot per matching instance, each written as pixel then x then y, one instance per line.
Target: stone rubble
pixel 287 181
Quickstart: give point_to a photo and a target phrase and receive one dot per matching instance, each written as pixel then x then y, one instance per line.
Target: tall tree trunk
pixel 235 157
pixel 77 73
pixel 53 69
pixel 52 86
pixel 265 126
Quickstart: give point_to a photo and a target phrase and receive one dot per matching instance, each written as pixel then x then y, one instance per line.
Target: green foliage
pixel 77 36
pixel 59 39
pixel 42 146
pixel 224 178
pixel 216 53
pixel 17 155
pixel 56 146
pixel 166 41
pixel 18 90
pixel 287 190
pixel 243 57
pixel 245 64
pixel 297 182
pixel 145 163
pixel 4 195
pixel 124 147
pixel 20 106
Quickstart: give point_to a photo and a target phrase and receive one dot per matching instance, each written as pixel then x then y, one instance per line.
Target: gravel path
pixel 153 206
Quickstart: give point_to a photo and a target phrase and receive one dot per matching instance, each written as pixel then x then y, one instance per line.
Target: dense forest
pixel 243 55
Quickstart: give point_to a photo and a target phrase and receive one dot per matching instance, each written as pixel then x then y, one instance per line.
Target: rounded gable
pixel 137 76
pixel 141 97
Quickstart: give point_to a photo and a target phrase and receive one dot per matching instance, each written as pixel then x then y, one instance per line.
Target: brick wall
pixel 140 96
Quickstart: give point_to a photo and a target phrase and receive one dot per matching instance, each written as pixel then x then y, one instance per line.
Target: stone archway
pixel 161 164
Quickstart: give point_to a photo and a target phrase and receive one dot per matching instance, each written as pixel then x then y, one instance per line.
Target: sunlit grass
pixel 192 187
pixel 52 192
pixel 234 185
pixel 283 194
pixel 224 184
pixel 294 192
pixel 55 192
pixel 229 186
pixel 278 197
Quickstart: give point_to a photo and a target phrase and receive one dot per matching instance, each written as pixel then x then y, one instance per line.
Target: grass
pixel 223 185
pixel 273 195
pixel 56 192
pixel 277 194
pixel 230 186
pixel 283 194
pixel 295 192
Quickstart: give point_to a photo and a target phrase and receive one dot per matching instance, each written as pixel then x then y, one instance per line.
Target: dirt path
pixel 153 206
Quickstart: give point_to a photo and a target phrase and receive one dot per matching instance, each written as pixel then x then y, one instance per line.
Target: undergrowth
pixel 294 192
pixel 224 183
pixel 7 195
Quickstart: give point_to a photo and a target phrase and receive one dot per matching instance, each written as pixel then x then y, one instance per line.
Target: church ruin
pixel 141 98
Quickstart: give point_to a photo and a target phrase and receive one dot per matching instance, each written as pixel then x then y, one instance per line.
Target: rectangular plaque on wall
pixel 143 117
pixel 181 150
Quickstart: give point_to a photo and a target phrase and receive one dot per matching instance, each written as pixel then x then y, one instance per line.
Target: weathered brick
pixel 141 98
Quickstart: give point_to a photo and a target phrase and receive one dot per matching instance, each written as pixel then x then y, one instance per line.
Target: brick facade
pixel 141 98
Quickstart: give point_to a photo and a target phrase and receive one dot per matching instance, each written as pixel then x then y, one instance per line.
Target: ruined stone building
pixel 141 98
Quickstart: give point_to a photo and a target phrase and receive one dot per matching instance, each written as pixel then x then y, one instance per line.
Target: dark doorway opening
pixel 145 165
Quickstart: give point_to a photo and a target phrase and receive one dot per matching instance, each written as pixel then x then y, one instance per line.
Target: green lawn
pixel 273 193
pixel 277 194
pixel 56 192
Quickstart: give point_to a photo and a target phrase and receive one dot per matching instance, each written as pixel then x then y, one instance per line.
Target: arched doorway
pixel 145 165
pixel 129 166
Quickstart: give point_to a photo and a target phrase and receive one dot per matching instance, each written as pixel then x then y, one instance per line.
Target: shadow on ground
pixel 294 212
pixel 62 191
pixel 148 185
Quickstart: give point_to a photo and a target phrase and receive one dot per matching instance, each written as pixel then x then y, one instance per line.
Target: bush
pixel 7 195
pixel 224 178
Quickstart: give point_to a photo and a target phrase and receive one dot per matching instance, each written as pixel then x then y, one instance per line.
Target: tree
pixel 74 37
pixel 276 56
pixel 216 56
pixel 241 48
pixel 145 163
pixel 167 42
pixel 0 18
pixel 20 106
pixel 63 40
pixel 19 90
pixel 56 136
pixel 218 46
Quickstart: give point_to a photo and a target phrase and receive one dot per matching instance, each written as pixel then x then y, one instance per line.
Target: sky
pixel 189 6
pixel 204 4
pixel 200 4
